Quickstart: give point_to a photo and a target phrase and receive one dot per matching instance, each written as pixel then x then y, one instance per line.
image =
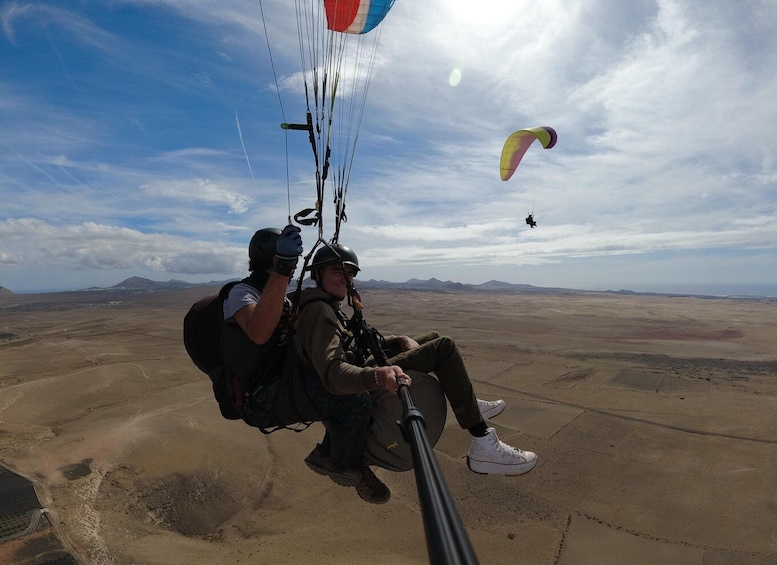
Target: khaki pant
pixel 439 355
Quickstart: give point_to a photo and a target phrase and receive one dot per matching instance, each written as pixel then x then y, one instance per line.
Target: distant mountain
pixel 139 284
pixel 5 292
pixel 142 285
pixel 496 284
pixel 436 285
pixel 499 285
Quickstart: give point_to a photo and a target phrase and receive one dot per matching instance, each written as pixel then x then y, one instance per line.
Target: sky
pixel 142 138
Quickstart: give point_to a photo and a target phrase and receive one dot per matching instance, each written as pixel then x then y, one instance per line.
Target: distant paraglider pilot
pixel 530 221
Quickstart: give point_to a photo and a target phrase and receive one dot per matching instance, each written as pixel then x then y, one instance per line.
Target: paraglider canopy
pixel 355 16
pixel 518 143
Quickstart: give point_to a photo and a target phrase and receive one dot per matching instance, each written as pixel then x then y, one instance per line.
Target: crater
pixel 76 471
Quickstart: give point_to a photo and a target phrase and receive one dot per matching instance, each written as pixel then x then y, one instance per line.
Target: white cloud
pixel 200 190
pixel 96 246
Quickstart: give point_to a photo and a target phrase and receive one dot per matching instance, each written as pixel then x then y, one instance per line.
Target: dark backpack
pixel 202 339
pixel 202 333
pixel 202 330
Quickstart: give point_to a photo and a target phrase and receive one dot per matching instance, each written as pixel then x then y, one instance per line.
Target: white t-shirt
pixel 240 296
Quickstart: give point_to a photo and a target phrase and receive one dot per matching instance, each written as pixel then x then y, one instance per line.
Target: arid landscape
pixel 654 419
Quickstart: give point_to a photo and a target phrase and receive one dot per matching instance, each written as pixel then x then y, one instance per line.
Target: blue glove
pixel 288 248
pixel 289 244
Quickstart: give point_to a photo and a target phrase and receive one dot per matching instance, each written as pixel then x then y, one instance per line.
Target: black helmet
pixel 334 254
pixel 261 250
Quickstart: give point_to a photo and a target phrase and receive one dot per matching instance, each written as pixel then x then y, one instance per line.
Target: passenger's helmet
pixel 261 250
pixel 334 254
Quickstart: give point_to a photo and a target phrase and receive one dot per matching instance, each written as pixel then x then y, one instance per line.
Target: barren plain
pixel 654 419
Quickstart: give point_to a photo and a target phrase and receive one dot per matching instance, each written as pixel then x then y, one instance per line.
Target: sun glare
pixel 455 77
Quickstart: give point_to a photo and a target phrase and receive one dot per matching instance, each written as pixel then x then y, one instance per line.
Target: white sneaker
pixel 490 408
pixel 488 454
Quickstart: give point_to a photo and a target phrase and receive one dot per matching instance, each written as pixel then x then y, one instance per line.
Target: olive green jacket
pixel 320 334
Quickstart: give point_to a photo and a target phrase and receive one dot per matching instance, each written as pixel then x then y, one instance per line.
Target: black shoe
pixel 371 488
pixel 321 463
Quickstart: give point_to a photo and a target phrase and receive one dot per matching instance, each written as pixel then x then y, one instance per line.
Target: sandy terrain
pixel 653 418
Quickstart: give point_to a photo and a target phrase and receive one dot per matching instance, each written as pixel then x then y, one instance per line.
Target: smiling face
pixel 333 279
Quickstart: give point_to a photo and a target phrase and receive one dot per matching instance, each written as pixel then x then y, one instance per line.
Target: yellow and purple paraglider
pixel 515 148
pixel 518 143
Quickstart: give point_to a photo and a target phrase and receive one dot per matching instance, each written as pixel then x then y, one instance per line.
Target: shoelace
pixel 502 447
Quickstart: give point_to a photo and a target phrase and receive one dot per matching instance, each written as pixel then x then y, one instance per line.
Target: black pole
pixel 446 539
